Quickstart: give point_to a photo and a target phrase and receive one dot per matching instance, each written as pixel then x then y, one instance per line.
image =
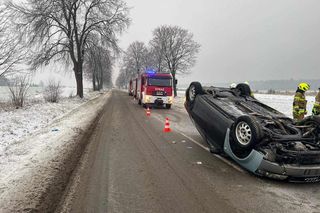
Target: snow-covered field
pixel 282 103
pixel 35 142
pixel 16 124
pixel 36 93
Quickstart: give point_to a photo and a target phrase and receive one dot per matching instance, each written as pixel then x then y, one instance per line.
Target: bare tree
pixel 136 56
pixel 98 67
pixel 60 29
pixel 176 47
pixel 156 59
pixel 10 51
pixel 122 79
pixel 18 90
pixel 52 91
pixel 135 59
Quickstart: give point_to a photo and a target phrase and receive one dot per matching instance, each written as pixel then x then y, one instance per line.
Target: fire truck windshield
pixel 162 82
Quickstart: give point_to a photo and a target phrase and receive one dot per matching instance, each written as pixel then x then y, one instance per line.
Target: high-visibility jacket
pixel 316 106
pixel 299 105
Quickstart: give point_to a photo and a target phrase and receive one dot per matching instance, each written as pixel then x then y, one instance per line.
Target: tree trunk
pixel 174 85
pixel 101 80
pixel 94 81
pixel 79 78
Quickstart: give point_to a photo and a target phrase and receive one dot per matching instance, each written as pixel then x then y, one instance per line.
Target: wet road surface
pixel 131 165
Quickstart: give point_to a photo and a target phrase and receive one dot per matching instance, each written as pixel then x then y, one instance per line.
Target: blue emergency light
pixel 150 71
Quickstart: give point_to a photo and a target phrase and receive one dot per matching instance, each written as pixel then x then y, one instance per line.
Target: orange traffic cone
pixel 167 126
pixel 148 111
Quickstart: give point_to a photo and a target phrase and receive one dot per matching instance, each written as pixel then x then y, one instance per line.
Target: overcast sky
pixel 240 39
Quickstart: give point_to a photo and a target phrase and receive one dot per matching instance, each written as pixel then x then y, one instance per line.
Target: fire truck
pixel 154 89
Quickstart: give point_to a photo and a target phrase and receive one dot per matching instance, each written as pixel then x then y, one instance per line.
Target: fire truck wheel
pixel 168 106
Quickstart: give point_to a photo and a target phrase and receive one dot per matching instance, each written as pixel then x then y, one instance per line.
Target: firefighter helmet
pixel 233 86
pixel 304 86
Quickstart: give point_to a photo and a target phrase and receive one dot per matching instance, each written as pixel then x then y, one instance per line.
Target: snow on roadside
pixel 34 165
pixel 17 124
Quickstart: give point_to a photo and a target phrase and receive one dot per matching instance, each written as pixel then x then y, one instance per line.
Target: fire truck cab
pixel 155 89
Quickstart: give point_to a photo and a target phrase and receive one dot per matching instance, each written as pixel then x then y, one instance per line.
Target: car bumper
pixel 158 100
pixel 294 173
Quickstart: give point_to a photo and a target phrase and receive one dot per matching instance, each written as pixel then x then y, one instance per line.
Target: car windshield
pixel 163 82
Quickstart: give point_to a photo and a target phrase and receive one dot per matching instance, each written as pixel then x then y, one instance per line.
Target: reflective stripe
pixel 299 111
pixel 298 98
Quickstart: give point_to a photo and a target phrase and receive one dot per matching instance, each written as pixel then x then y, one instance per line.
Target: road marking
pixel 194 141
pixel 238 168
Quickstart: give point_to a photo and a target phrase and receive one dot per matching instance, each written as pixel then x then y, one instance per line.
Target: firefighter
pixel 251 93
pixel 316 106
pixel 300 102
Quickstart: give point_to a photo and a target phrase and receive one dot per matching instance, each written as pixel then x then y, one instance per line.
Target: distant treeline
pixel 283 84
pixel 270 85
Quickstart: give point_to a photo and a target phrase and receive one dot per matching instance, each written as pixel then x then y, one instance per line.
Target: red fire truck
pixel 155 89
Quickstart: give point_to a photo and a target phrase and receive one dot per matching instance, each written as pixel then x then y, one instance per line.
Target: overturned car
pixel 256 136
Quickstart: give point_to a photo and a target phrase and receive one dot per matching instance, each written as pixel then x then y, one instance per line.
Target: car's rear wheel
pixel 244 89
pixel 246 133
pixel 194 89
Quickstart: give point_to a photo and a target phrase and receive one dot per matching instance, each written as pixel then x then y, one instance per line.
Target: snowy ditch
pixel 35 169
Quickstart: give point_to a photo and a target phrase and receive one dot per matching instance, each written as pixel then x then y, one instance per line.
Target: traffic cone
pixel 167 126
pixel 148 111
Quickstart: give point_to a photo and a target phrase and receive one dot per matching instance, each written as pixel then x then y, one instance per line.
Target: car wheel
pixel 194 89
pixel 246 132
pixel 244 89
pixel 168 106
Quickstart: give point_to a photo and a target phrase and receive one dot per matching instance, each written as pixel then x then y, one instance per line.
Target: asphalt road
pixel 131 165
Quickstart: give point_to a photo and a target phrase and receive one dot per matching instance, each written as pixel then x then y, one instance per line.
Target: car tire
pixel 245 134
pixel 244 89
pixel 194 89
pixel 168 106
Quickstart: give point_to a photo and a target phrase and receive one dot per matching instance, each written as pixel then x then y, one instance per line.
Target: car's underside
pixel 291 143
pixel 255 126
pixel 283 140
